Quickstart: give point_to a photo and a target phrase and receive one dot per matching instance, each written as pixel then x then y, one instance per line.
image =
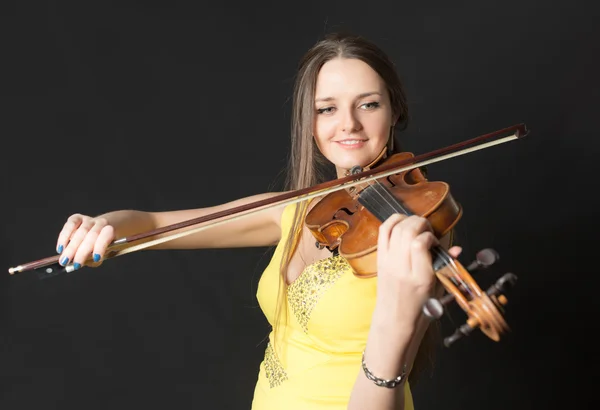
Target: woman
pixel 334 335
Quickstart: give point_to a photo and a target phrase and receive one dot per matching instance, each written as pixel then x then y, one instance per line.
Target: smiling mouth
pixel 350 143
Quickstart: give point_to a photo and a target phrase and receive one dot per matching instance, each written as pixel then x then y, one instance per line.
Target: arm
pixel 259 229
pixel 83 236
pixel 396 329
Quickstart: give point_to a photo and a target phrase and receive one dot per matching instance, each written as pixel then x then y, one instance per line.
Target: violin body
pixel 339 220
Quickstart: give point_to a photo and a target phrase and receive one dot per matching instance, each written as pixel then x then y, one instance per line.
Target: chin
pixel 361 160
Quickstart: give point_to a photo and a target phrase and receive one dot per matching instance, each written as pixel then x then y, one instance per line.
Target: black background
pixel 168 105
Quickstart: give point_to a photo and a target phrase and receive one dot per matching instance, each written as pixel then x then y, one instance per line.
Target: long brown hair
pixel 308 167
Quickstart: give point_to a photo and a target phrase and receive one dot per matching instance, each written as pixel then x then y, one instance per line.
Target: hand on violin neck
pixel 405 274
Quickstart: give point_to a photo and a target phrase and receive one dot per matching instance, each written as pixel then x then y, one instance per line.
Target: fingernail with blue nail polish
pixel 96 257
pixel 76 265
pixel 59 249
pixel 64 261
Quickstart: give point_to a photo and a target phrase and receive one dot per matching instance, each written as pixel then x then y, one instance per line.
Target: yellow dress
pixel 319 350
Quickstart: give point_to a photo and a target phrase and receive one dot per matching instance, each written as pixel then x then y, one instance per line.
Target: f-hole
pixel 345 210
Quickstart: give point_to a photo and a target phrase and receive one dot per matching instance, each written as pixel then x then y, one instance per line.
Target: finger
pixel 70 226
pixel 75 241
pixel 400 245
pixel 455 251
pixel 105 238
pixel 88 243
pixel 403 236
pixel 385 230
pixel 420 254
pixel 412 226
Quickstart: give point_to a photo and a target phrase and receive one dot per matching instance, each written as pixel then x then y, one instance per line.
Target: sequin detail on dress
pixel 273 368
pixel 307 289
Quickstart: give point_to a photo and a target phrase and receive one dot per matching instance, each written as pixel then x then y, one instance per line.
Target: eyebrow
pixel 363 95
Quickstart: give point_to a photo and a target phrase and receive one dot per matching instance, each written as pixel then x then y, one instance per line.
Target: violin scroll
pixel 484 309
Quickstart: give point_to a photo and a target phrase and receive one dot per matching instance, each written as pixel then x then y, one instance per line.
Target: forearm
pixel 388 349
pixel 259 229
pixel 405 281
pixel 129 222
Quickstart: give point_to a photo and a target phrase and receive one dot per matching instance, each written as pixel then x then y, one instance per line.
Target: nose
pixel 349 122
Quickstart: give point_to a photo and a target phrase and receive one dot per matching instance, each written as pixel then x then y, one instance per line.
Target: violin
pixel 347 217
pixel 348 221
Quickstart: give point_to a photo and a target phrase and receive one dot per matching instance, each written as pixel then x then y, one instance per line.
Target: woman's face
pixel 353 115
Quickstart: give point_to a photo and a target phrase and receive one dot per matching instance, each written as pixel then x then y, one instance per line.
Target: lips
pixel 350 141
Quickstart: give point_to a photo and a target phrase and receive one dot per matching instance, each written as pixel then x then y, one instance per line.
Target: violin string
pixel 396 207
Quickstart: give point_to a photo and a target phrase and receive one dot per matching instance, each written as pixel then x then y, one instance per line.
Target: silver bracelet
pixel 390 384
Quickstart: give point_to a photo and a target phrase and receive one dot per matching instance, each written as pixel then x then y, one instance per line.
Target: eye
pixel 325 110
pixel 371 105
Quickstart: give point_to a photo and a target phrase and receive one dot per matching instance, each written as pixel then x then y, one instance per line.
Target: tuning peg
pixel 434 308
pixel 506 281
pixel 483 259
pixel 460 332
